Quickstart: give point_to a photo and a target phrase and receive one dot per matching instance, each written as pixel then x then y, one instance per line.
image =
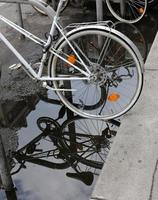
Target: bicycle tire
pixel 89 134
pixel 129 53
pixel 127 11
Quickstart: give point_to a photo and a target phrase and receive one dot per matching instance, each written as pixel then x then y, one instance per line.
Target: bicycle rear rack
pixel 99 23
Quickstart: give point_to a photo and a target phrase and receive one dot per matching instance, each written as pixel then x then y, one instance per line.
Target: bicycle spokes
pixel 113 81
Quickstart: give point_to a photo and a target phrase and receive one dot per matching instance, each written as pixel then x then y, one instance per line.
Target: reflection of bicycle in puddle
pixel 82 144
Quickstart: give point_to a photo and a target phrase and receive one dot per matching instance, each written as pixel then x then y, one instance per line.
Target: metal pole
pixel 5 174
pixel 99 10
pixel 122 7
pixel 19 18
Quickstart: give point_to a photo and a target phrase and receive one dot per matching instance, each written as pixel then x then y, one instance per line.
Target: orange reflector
pixel 113 97
pixel 72 59
pixel 140 10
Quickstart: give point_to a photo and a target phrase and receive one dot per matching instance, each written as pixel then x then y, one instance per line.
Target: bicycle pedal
pixel 15 66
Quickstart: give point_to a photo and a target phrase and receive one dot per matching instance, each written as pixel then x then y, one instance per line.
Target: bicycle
pixel 59 147
pixel 130 11
pixel 89 60
pixel 127 10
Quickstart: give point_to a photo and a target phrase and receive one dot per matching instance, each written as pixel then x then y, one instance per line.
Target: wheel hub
pixel 98 76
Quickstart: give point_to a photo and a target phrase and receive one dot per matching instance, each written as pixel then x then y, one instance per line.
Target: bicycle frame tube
pixel 27 67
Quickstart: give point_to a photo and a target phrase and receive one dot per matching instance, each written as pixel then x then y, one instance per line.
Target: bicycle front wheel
pixel 116 76
pixel 130 11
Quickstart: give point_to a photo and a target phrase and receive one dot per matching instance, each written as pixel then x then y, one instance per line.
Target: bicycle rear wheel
pixel 130 11
pixel 116 74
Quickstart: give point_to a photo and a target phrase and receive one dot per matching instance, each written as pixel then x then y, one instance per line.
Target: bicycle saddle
pixel 86 177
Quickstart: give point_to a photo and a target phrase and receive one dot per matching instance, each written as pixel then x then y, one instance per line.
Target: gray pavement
pixel 131 169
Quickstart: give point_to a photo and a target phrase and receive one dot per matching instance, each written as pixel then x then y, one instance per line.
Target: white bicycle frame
pixel 44 44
